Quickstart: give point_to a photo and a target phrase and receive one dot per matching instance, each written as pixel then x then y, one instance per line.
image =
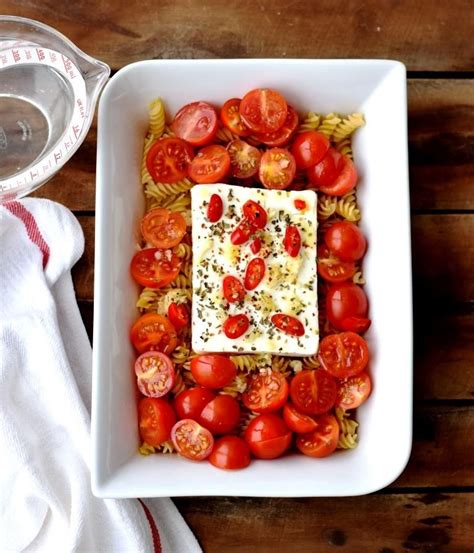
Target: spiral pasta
pixel 347 126
pixel 347 208
pixel 328 124
pixel 183 250
pixel 161 191
pixel 180 354
pixel 158 301
pixel 326 206
pixel 281 364
pixel 345 147
pixel 310 122
pixel 236 387
pixel 168 132
pixel 145 174
pixel 179 384
pixel 348 430
pixel 157 118
pixel 311 362
pixel 358 277
pixel 248 363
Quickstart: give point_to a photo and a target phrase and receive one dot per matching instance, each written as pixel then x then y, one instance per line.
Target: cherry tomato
pixel 254 273
pixel 309 148
pixel 300 204
pixel 345 181
pixel 168 159
pixel 266 393
pixel 210 165
pixel 322 441
pixel 230 116
pixel 221 415
pixel 234 291
pixel 263 110
pixel 155 374
pixel 153 332
pixel 292 241
pixel 178 314
pixel 296 421
pixel 346 241
pixel 231 453
pixel 244 159
pixel 196 123
pixel 242 232
pixel 191 440
pixel 313 392
pixel 190 403
pixel 236 326
pixel 213 371
pixel 288 324
pixel 326 171
pixel 256 246
pixel 154 267
pixel 282 136
pixel 347 306
pixel 267 436
pixel 277 169
pixel 353 391
pixel 163 228
pixel 343 355
pixel 155 420
pixel 331 268
pixel 255 213
pixel 215 208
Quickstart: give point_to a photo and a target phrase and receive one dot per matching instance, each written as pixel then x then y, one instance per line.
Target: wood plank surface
pixel 430 523
pixel 425 35
pixel 441 143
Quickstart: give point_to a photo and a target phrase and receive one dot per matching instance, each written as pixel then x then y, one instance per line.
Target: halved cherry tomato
pixel 292 241
pixel 221 415
pixel 196 123
pixel 189 403
pixel 277 169
pixel 347 306
pixel 178 314
pixel 331 268
pixel 210 165
pixel 244 159
pixel 266 393
pixel 230 116
pixel 242 232
pixel 153 332
pixel 255 213
pixel 309 148
pixel 300 204
pixel 191 440
pixel 296 421
pixel 322 441
pixel 256 246
pixel 282 136
pixel 163 228
pixel 313 392
pixel 234 291
pixel 346 241
pixel 325 172
pixel 343 355
pixel 335 175
pixel 231 453
pixel 155 420
pixel 155 374
pixel 267 436
pixel 263 110
pixel 168 159
pixel 353 391
pixel 154 267
pixel 213 371
pixel 236 326
pixel 254 273
pixel 288 324
pixel 215 208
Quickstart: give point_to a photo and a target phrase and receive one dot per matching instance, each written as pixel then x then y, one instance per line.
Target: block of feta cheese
pixel 289 285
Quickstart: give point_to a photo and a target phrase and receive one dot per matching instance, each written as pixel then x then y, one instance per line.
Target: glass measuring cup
pixel 48 93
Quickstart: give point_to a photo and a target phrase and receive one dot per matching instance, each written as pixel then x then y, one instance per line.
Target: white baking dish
pixel 378 89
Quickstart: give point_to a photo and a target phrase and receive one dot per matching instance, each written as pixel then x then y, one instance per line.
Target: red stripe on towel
pixel 155 534
pixel 34 234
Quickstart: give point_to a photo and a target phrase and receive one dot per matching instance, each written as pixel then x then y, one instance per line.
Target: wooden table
pixel 430 508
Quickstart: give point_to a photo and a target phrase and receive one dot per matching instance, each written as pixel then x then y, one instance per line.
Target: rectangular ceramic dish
pixel 378 89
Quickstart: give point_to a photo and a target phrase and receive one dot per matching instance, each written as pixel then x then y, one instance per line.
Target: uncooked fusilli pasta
pixel 157 118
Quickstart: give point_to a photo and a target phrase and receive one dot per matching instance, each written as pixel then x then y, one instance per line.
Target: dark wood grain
pixel 425 35
pixel 438 522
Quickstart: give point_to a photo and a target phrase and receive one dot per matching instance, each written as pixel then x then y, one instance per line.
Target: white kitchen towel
pixel 46 504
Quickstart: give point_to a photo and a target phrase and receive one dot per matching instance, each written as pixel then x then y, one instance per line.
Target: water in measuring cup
pixel 35 108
